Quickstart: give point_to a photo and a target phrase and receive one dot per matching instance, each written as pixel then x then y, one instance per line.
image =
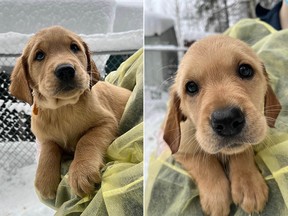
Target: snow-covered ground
pixel 17 194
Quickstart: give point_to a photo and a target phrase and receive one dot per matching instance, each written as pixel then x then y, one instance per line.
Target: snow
pixel 165 48
pixel 18 197
pixel 164 7
pixel 17 193
pixel 16 154
pixel 156 23
pixel 86 17
pixel 129 40
pixel 128 16
pixel 13 43
pixel 19 107
pixel 94 20
pixel 130 2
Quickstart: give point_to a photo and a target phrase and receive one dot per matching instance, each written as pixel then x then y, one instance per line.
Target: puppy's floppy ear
pixel 19 86
pixel 172 132
pixel 91 67
pixel 272 105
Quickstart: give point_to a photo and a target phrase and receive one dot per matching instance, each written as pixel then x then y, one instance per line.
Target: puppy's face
pixel 221 85
pixel 56 65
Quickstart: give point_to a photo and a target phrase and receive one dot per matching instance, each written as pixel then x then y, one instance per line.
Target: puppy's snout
pixel 228 121
pixel 65 72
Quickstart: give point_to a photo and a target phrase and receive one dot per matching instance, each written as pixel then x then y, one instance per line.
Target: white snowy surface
pixel 82 17
pixel 129 40
pixel 13 43
pixel 156 23
pixel 20 106
pixel 165 48
pixel 128 16
pixel 17 194
pixel 14 154
pixel 86 16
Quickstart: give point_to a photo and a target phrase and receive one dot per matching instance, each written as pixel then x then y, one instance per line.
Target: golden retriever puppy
pixel 215 116
pixel 57 75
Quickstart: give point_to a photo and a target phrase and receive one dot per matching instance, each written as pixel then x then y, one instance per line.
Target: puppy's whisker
pixel 171 78
pixel 281 122
pixel 190 138
pixel 272 105
pixel 171 130
pixel 166 82
pixel 275 110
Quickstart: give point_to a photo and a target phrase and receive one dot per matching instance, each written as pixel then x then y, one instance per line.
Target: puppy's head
pixel 56 66
pixel 222 88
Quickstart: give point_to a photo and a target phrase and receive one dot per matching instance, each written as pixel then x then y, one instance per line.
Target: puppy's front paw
pixel 215 197
pixel 249 190
pixel 83 176
pixel 47 184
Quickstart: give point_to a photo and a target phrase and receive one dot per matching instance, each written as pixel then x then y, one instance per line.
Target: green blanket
pixel 121 189
pixel 171 191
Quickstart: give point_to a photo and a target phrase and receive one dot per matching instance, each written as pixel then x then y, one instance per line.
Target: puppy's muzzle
pixel 65 74
pixel 227 122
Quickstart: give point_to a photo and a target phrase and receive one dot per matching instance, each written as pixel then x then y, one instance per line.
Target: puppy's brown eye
pixel 74 47
pixel 245 71
pixel 192 88
pixel 39 56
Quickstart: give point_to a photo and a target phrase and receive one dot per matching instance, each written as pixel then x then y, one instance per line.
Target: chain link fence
pixel 17 143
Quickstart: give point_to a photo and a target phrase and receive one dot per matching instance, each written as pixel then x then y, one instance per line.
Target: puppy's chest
pixel 65 129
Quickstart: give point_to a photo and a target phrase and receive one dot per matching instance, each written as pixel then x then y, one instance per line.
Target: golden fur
pixel 82 120
pixel 213 64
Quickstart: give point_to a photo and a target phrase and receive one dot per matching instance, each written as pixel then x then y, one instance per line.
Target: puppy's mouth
pixel 232 146
pixel 69 88
pixel 68 91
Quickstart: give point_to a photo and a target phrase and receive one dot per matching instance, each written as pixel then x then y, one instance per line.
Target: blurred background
pixel 113 30
pixel 173 25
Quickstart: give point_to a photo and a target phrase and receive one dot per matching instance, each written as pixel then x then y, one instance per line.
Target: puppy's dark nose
pixel 65 72
pixel 228 121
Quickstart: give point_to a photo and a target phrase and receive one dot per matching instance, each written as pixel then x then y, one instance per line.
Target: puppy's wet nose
pixel 228 121
pixel 65 72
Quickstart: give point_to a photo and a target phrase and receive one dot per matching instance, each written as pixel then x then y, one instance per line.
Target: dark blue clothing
pixel 272 16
